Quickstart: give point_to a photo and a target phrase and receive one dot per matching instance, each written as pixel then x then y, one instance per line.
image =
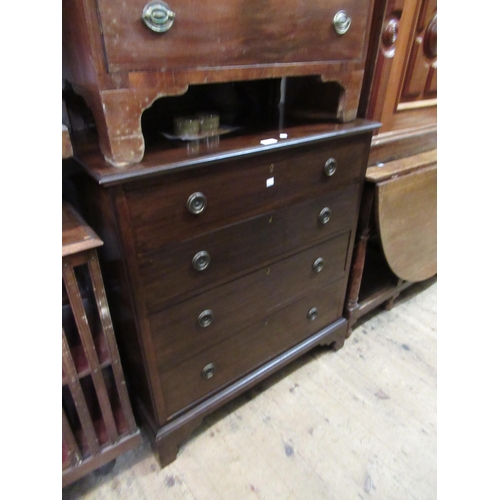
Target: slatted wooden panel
pixel 71 450
pixel 80 316
pixel 78 396
pixel 100 295
pixel 97 419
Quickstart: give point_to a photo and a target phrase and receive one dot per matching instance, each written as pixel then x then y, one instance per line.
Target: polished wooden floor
pixel 356 424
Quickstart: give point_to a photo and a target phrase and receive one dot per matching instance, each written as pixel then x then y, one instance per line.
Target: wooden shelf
pixel 77 235
pixel 107 454
pixel 376 273
pixel 379 283
pixel 400 167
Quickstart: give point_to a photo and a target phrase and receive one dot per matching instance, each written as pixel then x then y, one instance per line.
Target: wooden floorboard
pixel 357 424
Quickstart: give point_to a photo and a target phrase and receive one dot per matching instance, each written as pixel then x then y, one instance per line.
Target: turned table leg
pixel 359 255
pixel 389 304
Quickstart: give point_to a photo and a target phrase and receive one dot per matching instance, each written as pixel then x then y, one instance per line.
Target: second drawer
pixel 234 250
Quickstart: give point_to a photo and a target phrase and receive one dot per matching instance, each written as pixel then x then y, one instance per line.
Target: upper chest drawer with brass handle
pixel 183 205
pixel 191 266
pixel 158 16
pixel 180 35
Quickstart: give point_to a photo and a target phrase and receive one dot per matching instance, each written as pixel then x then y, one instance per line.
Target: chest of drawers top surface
pixel 169 157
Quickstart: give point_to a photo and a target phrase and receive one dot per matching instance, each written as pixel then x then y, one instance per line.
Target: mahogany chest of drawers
pixel 226 263
pixel 223 267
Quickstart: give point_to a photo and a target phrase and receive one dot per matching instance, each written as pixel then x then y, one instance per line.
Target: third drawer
pixel 191 326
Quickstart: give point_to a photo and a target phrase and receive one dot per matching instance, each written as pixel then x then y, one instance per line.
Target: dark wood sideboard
pixel 225 258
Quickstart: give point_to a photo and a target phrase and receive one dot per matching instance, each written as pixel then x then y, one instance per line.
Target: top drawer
pixel 229 33
pixel 240 189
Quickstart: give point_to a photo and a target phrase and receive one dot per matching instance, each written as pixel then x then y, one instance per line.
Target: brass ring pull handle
pixel 330 167
pixel 201 261
pixel 341 22
pixel 324 216
pixel 208 371
pixel 158 16
pixel 312 314
pixel 205 318
pixel 318 264
pixel 196 203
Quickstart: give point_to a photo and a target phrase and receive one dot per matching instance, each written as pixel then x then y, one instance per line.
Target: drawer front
pixel 183 330
pixel 239 189
pixel 230 33
pixel 248 349
pixel 234 250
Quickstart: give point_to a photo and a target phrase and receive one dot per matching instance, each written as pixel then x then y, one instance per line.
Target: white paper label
pixel 266 142
pixel 270 182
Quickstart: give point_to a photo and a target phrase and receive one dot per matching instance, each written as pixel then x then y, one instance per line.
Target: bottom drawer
pixel 230 359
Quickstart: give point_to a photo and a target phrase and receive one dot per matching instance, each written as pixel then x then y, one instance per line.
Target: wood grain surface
pixel 67 148
pixel 177 334
pixel 251 347
pixel 77 235
pixel 400 167
pixel 167 272
pixel 232 33
pixel 239 189
pixel 406 211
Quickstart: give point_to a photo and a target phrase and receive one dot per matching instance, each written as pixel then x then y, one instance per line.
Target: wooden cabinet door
pixel 400 88
pixel 420 81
